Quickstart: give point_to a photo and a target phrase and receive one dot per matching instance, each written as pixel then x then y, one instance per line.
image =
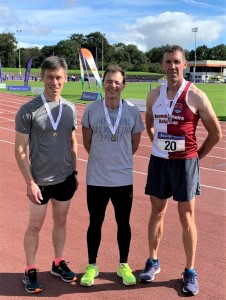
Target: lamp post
pixel 102 59
pixel 18 32
pixel 195 30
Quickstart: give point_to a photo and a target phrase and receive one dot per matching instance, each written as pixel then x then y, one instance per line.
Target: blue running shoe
pixel 31 283
pixel 190 286
pixel 151 268
pixel 63 271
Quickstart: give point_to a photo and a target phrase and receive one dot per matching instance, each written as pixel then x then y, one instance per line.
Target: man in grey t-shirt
pixel 111 135
pixel 47 123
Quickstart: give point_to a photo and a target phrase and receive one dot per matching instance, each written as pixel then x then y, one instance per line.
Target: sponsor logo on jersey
pixel 178 108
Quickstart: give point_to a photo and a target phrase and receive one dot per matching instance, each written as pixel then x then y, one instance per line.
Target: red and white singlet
pixel 175 125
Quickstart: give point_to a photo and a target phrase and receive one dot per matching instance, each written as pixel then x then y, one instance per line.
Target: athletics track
pixel 210 217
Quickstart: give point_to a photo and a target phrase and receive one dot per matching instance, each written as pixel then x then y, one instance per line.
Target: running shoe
pixel 126 274
pixel 63 271
pixel 190 286
pixel 151 268
pixel 91 273
pixel 31 283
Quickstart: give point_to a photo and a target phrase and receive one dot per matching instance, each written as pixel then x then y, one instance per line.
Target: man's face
pixel 174 65
pixel 53 82
pixel 113 85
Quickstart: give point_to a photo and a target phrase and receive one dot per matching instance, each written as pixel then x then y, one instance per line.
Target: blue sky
pixel 145 23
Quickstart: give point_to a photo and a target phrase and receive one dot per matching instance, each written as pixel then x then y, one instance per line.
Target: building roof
pixel 208 63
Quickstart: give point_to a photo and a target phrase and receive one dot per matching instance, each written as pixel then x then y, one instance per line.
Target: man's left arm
pixel 211 124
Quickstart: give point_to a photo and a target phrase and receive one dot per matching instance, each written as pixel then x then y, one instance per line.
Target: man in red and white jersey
pixel 172 115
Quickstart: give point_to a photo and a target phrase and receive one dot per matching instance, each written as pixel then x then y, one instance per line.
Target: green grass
pixel 217 95
pixel 36 72
pixel 138 90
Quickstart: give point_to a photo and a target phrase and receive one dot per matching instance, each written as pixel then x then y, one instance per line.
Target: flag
pixel 81 69
pixel 87 73
pixel 90 60
pixel 27 72
pixel 0 71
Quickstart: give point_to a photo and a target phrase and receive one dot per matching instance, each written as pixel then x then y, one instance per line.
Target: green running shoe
pixel 91 273
pixel 126 274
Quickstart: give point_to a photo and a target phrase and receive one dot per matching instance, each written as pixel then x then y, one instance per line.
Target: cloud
pixel 38 28
pixel 171 28
pixel 7 15
pixel 47 22
pixel 31 45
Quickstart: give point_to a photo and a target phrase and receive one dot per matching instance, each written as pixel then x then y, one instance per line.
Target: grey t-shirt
pixel 50 155
pixel 111 163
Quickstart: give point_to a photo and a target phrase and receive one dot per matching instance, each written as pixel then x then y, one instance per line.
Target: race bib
pixel 171 143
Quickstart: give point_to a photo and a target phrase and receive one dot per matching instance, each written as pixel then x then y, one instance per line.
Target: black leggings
pixel 97 201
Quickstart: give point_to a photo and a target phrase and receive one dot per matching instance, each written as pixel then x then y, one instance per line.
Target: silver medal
pixel 113 138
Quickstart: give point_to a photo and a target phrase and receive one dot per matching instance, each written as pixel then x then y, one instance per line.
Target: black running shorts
pixel 179 178
pixel 63 191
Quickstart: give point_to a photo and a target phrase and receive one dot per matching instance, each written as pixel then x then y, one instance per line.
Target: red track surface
pixel 210 216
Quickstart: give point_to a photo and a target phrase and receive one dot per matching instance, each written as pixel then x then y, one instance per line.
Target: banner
pixel 18 88
pixel 91 96
pixel 0 71
pixel 27 72
pixel 87 73
pixel 81 69
pixel 90 60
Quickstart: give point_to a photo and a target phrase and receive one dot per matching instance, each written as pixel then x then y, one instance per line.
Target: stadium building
pixel 206 71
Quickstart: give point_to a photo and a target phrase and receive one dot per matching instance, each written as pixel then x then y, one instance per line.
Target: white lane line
pixel 143 173
pixel 221 165
pixel 214 170
pixel 7 119
pixel 139 156
pixel 213 187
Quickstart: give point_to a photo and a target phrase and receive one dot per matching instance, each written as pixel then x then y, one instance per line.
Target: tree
pixel 120 56
pixel 155 54
pixel 218 52
pixel 202 53
pixel 155 68
pixel 69 50
pixel 48 50
pixel 80 39
pixel 37 54
pixel 100 48
pixel 8 50
pixel 137 58
pixel 129 57
pixel 97 44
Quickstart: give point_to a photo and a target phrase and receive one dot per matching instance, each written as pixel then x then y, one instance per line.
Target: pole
pixel 18 32
pixel 102 60
pixel 195 30
pixel 102 56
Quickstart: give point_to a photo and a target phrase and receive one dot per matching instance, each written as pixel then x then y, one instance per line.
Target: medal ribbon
pixel 54 124
pixel 179 92
pixel 113 128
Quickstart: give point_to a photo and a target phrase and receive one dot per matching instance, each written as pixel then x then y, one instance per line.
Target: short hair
pixel 115 69
pixel 52 63
pixel 173 48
